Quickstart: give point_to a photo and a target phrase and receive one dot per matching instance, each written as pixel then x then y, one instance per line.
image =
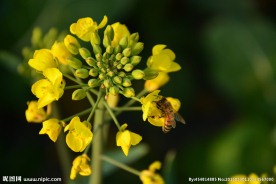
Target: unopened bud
pixel 93 83
pixel 96 49
pixel 135 60
pixel 106 41
pixel 118 56
pixel 128 92
pixel 127 52
pixel 114 90
pixel 123 42
pixel 137 48
pixel 117 79
pixel 109 32
pixel 84 52
pixel 95 38
pixel 81 73
pixel 117 49
pixel 138 74
pixel 72 44
pixel 122 74
pixel 109 49
pixel 93 72
pixel 126 82
pixel 74 62
pixel 78 94
pixel 107 83
pixel 102 76
pixel 128 67
pixel 91 61
pixel 124 60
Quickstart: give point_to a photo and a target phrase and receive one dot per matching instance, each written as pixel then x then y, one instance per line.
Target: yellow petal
pixel 135 138
pixel 103 22
pixel 157 49
pixel 74 143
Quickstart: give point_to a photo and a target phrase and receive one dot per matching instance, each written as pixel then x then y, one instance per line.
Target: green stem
pixel 139 108
pixel 97 146
pixel 77 114
pixel 75 86
pixel 95 106
pixel 112 115
pixel 120 165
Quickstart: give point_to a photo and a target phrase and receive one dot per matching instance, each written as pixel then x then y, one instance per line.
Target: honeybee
pixel 167 112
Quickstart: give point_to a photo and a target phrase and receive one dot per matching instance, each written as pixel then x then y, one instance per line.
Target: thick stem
pixel 97 146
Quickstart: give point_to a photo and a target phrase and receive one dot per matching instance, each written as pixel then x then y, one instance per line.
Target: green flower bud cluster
pixel 110 66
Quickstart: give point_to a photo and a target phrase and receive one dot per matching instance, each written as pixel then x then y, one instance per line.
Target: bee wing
pixel 179 118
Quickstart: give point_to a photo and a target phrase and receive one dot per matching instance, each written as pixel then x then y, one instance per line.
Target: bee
pixel 167 112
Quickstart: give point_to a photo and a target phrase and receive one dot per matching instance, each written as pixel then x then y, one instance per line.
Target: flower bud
pixel 134 37
pixel 114 90
pixel 150 74
pixel 122 74
pixel 128 92
pixel 99 57
pixel 109 49
pixel 135 60
pixel 127 52
pixel 36 36
pixel 102 76
pixel 74 62
pixel 117 79
pixel 106 41
pixel 93 72
pixel 91 61
pixel 107 83
pixel 137 48
pixel 119 66
pixel 126 82
pixel 72 44
pixel 81 73
pixel 110 73
pixel 118 56
pixel 124 60
pixel 117 49
pixel 138 74
pixel 96 49
pixel 109 32
pixel 78 94
pixel 123 42
pixel 84 52
pixel 95 38
pixel 128 67
pixel 93 83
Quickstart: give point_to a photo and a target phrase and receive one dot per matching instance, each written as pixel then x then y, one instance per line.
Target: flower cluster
pixel 102 61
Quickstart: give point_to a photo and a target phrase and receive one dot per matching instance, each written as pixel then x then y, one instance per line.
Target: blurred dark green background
pixel 227 85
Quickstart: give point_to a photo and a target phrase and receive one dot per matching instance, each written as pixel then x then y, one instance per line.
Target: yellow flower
pixel 149 176
pixel 60 51
pixel 242 179
pixel 52 127
pixel 79 135
pixel 49 89
pixel 80 166
pixel 84 27
pixel 42 60
pixel 35 114
pixel 120 31
pixel 71 44
pixel 156 83
pixel 151 112
pixel 126 138
pixel 162 60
